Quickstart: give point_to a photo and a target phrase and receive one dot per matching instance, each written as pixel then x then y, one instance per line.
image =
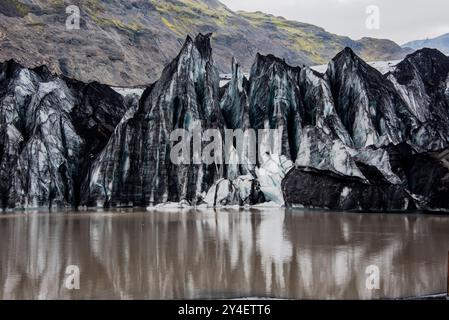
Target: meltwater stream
pixel 272 253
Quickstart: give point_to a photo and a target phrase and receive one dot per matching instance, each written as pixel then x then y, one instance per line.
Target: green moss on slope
pixel 14 8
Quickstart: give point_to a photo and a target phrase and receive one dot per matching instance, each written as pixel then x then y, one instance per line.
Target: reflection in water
pixel 222 254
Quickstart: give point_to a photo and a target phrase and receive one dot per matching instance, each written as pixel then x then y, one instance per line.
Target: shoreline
pixel 180 207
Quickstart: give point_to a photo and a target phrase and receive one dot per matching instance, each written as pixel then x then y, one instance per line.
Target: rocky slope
pixel 351 139
pixel 127 43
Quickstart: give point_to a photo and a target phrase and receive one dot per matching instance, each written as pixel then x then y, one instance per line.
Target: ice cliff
pixel 352 138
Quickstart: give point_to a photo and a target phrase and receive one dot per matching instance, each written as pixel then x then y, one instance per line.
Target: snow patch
pixel 129 91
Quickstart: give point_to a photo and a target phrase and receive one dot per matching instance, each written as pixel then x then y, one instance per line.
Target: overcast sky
pixel 400 20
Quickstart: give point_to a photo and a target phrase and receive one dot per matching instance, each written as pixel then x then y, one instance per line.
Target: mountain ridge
pixel 118 40
pixel 441 43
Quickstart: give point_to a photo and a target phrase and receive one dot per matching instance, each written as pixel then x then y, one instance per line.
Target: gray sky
pixel 400 20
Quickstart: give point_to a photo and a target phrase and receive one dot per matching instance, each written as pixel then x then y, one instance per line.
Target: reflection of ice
pixel 342 263
pixel 246 234
pixel 273 246
pixel 234 229
pixel 223 253
pixel 345 230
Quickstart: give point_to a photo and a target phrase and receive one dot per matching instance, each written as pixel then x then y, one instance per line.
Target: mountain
pixel 126 43
pixel 352 138
pixel 441 43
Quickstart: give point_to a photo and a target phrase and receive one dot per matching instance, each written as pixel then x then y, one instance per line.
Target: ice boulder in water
pixel 242 191
pixel 222 193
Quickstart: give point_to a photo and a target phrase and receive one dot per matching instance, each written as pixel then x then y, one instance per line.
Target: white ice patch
pixel 244 184
pixel 267 205
pixel 318 151
pixel 414 97
pixel 23 86
pixel 382 66
pixel 170 206
pixel 322 68
pixel 129 91
pixel 380 159
pixel 270 176
pixel 344 193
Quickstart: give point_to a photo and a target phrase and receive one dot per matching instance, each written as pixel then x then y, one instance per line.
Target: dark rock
pixel 312 188
pixel 425 175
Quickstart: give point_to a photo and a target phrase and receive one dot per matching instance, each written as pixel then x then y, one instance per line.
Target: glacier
pixel 355 136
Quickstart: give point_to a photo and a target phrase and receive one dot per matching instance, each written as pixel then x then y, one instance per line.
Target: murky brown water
pixel 222 254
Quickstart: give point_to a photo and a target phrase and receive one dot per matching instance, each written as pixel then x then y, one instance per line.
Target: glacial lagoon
pixel 190 254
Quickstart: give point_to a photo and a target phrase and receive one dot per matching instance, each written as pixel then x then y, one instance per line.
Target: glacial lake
pixel 189 254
